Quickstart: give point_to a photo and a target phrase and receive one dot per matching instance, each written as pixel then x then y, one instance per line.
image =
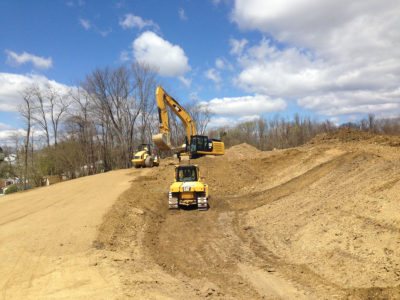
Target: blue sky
pixel 243 58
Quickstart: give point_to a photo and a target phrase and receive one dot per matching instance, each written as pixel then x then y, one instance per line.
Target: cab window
pixel 186 174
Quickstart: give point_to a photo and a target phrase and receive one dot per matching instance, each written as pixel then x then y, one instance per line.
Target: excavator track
pixel 202 203
pixel 172 201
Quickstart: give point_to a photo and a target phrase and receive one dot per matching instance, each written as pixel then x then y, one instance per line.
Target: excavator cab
pixel 201 145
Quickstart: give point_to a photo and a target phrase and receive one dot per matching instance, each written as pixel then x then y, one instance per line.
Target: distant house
pixel 4 183
pixel 11 159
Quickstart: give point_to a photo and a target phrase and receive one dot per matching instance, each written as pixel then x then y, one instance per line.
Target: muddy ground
pixel 321 221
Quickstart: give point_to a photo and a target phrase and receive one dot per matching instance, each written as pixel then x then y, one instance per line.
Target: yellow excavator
pixel 196 145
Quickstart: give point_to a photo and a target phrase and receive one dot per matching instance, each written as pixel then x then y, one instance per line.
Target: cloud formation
pixel 168 59
pixel 244 106
pixel 12 85
pixel 182 15
pixel 213 75
pixel 85 23
pixel 335 58
pixel 132 21
pixel 19 59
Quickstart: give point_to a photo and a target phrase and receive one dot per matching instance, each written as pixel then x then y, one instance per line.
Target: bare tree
pixel 39 109
pixel 144 90
pixel 58 104
pixel 26 109
pixel 123 101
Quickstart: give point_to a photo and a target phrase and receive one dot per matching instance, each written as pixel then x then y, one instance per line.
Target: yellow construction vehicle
pixel 188 188
pixel 145 157
pixel 196 145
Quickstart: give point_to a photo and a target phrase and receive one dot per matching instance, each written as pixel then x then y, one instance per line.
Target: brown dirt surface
pixel 321 221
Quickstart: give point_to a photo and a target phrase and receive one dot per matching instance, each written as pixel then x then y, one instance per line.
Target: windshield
pixel 144 147
pixel 199 143
pixel 187 174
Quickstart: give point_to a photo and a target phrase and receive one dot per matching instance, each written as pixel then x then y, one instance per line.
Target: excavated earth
pixel 321 221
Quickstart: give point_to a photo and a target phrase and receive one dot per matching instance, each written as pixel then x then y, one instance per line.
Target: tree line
pixel 91 128
pixel 98 125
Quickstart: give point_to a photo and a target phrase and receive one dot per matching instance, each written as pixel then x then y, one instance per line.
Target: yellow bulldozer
pixel 145 157
pixel 188 188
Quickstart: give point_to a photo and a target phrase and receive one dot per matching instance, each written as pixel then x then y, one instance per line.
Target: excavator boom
pixel 162 140
pixel 196 145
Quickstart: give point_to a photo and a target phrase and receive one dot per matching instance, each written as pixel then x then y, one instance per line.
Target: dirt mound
pixel 350 135
pixel 315 222
pixel 241 151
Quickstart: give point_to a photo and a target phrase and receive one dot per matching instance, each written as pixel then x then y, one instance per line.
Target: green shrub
pixel 11 189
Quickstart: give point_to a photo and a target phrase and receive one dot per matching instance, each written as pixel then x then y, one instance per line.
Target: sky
pixel 335 60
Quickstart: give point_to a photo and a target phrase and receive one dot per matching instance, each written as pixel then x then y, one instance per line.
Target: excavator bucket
pixel 161 140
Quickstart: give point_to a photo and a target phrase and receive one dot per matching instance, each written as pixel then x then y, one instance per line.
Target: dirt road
pixel 320 221
pixel 46 238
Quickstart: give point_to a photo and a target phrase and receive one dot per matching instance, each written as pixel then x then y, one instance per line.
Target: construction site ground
pixel 320 221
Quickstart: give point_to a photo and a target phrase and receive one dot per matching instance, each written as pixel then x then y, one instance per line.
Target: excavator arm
pixel 197 145
pixel 163 139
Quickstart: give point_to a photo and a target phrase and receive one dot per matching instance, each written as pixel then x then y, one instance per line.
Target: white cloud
pixel 125 56
pixel 213 75
pixel 5 126
pixel 132 21
pixel 237 46
pixel 170 60
pixel 334 57
pixel 245 106
pixel 11 86
pixel 187 82
pixel 85 23
pixel 223 64
pixel 8 136
pixel 216 122
pixel 39 62
pixel 182 15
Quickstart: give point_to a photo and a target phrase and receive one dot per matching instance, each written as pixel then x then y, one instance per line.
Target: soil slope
pixel 320 221
pixel 46 238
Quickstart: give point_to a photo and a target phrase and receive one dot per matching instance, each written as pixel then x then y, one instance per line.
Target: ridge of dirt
pixel 351 135
pixel 241 151
pixel 320 221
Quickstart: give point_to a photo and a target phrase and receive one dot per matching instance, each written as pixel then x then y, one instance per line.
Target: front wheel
pixel 149 162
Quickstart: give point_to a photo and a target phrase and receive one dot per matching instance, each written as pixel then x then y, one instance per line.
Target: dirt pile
pixel 350 135
pixel 316 222
pixel 241 151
